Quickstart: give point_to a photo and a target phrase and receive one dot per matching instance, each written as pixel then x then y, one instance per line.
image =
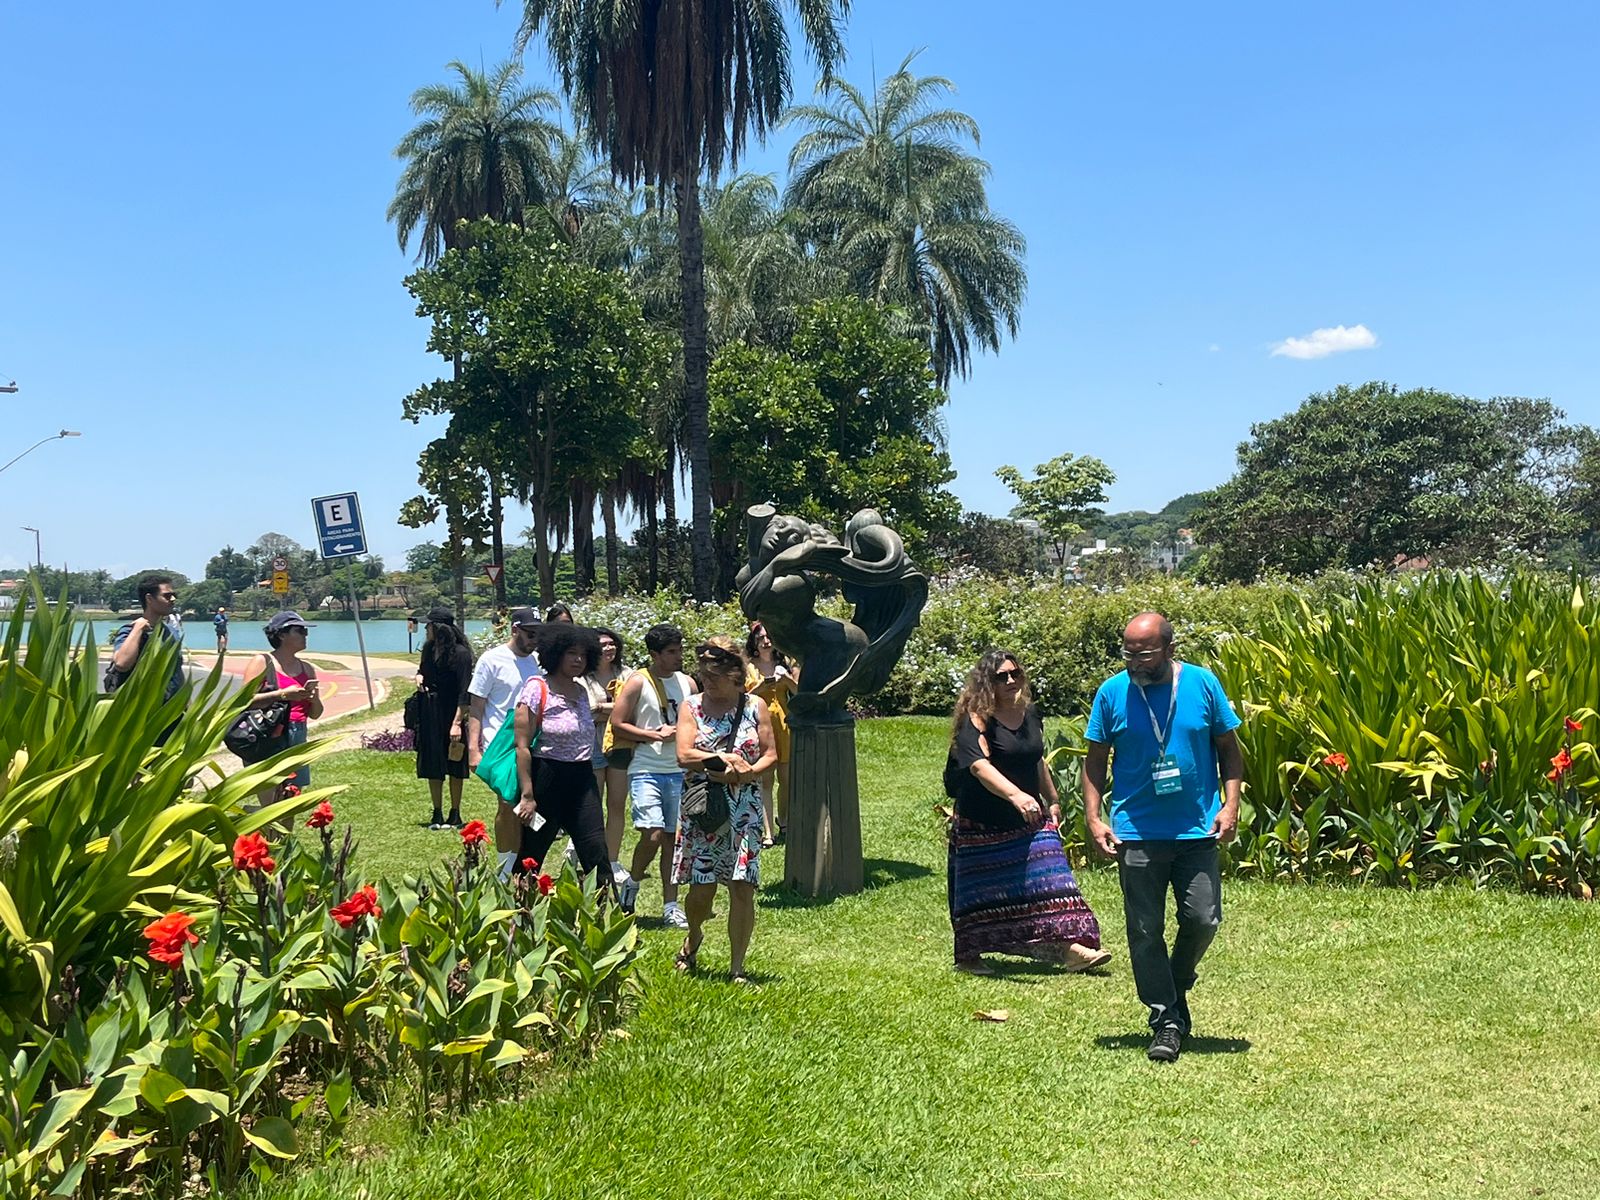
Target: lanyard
pixel 1172 707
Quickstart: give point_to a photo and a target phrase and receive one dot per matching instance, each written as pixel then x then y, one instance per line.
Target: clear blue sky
pixel 196 271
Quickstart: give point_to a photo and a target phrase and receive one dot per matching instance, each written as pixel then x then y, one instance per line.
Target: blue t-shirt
pixel 1119 718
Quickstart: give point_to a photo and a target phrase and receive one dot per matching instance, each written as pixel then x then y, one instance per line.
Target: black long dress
pixel 444 694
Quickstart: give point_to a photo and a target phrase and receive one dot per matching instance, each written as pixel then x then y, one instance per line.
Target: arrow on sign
pixel 343 548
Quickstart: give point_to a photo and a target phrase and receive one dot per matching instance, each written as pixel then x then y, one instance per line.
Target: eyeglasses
pixel 1008 676
pixel 1142 656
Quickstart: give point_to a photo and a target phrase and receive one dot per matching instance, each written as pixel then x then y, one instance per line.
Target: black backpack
pixel 113 678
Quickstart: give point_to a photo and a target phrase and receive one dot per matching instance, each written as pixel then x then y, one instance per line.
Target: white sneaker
pixel 674 915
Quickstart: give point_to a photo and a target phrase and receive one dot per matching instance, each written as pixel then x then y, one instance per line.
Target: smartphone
pixel 714 763
pixel 535 822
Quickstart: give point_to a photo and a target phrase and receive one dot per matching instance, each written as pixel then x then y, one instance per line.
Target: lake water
pixel 333 637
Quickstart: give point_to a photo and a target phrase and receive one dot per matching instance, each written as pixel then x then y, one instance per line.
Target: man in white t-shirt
pixel 497 681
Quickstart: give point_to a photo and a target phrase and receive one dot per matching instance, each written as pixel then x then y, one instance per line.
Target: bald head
pixel 1148 626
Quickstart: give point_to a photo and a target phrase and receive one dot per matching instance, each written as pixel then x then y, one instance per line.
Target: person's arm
pixel 475 730
pixel 622 715
pixel 313 691
pixel 463 697
pixel 526 723
pixel 767 758
pixel 1094 787
pixel 1230 760
pixel 127 653
pixel 1047 789
pixel 271 696
pixel 691 756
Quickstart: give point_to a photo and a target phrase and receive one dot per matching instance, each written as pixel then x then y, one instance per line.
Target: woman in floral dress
pixel 734 730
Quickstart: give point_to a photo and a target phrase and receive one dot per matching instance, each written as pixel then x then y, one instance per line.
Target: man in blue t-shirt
pixel 1167 731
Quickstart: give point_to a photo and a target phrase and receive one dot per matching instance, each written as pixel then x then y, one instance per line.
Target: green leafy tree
pixel 846 418
pixel 889 190
pixel 235 570
pixel 1375 476
pixel 670 87
pixel 992 545
pixel 1064 496
pixel 556 363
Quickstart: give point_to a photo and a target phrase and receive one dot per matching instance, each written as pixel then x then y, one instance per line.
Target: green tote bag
pixel 498 766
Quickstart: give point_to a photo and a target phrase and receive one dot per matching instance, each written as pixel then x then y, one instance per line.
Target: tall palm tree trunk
pixel 608 519
pixel 669 518
pixel 496 520
pixel 583 536
pixel 652 527
pixel 696 365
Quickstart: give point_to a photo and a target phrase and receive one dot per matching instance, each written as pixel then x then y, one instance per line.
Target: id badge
pixel 1166 776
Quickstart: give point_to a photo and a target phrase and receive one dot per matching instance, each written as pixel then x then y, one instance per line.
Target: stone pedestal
pixel 822 854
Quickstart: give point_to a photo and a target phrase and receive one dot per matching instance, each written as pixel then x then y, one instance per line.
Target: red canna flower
pixel 530 865
pixel 1337 760
pixel 363 902
pixel 1561 764
pixel 546 885
pixel 474 834
pixel 321 816
pixel 1574 726
pixel 250 853
pixel 168 936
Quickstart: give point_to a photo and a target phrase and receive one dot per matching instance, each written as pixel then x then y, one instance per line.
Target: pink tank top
pixel 297 711
pixel 568 726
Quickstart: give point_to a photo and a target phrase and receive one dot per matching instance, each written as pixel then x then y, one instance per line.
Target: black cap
pixel 285 619
pixel 525 618
pixel 441 616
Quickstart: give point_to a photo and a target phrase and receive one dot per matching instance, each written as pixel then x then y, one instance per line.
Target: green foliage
pixel 100 826
pixel 1062 496
pixel 846 418
pixel 886 189
pixel 1447 697
pixel 990 545
pixel 1374 476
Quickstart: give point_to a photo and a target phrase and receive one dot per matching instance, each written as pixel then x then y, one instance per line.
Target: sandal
pixel 685 963
pixel 740 978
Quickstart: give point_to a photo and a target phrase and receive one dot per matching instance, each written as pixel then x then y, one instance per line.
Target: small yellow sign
pixel 280 583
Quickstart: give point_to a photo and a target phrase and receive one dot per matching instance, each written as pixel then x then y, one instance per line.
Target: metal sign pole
pixel 361 640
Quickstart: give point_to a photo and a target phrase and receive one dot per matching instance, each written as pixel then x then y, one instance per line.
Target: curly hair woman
pixel 1011 890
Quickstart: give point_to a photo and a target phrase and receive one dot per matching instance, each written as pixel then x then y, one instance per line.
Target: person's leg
pixel 616 810
pixel 698 909
pixel 783 796
pixel 436 790
pixel 1145 870
pixel 768 787
pixel 1197 888
pixel 645 794
pixel 456 785
pixel 587 827
pixel 741 924
pixel 671 801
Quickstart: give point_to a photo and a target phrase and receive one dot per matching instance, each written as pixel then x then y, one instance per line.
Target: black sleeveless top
pixel 1015 753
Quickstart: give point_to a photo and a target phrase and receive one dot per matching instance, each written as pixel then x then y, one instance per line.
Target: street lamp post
pixel 38 549
pixel 65 433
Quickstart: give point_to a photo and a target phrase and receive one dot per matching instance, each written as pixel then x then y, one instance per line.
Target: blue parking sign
pixel 339 530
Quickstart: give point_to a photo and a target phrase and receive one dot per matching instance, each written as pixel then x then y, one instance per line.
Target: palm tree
pixel 669 87
pixel 891 193
pixel 482 149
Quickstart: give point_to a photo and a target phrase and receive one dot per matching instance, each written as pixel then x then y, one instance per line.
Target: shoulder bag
pixel 705 802
pixel 259 733
pixel 498 766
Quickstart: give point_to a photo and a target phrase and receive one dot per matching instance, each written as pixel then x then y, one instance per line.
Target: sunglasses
pixel 1008 676
pixel 169 595
pixel 716 652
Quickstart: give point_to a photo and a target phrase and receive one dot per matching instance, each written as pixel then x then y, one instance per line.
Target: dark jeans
pixel 1147 870
pixel 570 802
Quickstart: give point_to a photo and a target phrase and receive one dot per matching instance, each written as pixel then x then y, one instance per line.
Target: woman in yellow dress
pixel 772 678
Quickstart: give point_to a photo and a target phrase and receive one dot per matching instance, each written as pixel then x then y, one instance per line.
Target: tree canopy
pixel 1063 496
pixel 1373 475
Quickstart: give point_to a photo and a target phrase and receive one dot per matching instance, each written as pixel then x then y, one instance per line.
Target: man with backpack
pixel 158 603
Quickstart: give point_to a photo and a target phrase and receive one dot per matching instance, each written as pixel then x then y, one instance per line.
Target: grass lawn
pixel 1351 1043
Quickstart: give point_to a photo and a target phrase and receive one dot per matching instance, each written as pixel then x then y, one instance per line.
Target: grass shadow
pixel 1035 970
pixel 1194 1044
pixel 877 872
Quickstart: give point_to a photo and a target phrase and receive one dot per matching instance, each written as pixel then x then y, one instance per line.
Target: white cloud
pixel 1320 343
pixel 1213 348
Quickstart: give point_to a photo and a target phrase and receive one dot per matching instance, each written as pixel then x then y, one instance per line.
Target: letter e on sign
pixel 336 512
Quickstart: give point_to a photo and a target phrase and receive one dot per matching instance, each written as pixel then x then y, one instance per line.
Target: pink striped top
pixel 568 725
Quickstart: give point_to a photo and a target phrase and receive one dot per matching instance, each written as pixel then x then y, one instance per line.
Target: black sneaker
pixel 436 822
pixel 453 821
pixel 1166 1044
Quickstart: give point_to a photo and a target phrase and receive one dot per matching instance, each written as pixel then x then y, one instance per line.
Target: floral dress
pixel 730 854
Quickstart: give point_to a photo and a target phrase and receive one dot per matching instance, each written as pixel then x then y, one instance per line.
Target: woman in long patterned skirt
pixel 1011 888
